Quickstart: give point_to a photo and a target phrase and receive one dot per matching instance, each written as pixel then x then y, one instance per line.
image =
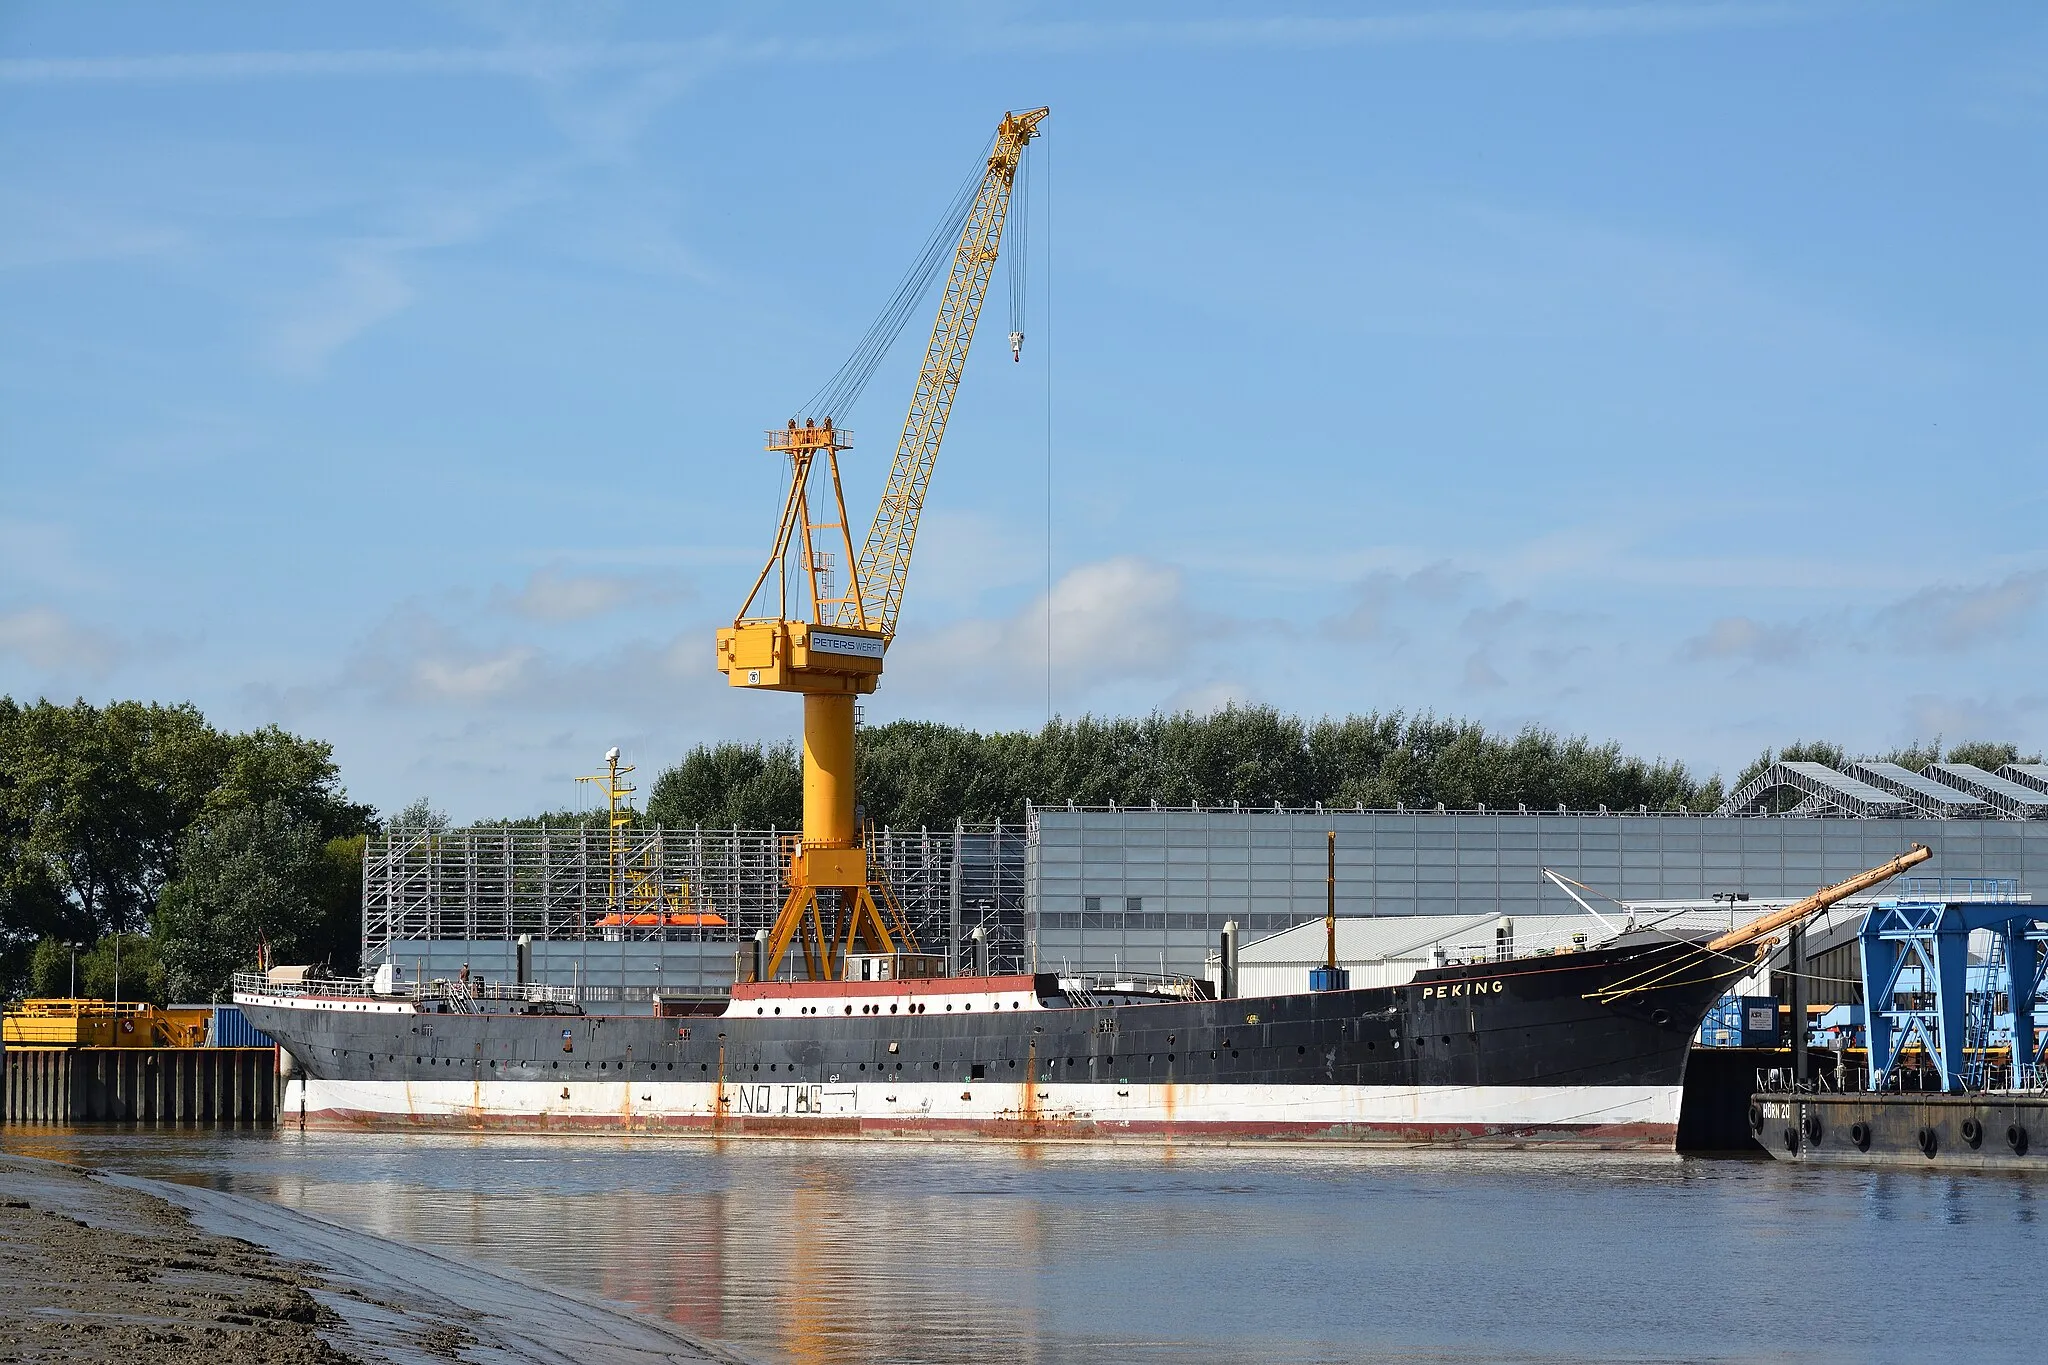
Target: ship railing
pixel 1083 987
pixel 457 992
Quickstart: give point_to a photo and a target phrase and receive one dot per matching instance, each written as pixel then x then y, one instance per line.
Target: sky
pixel 1664 372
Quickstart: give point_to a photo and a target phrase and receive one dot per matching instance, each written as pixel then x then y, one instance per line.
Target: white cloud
pixel 565 60
pixel 1557 23
pixel 1208 698
pixel 365 288
pixel 1482 676
pixel 1957 617
pixel 1114 620
pixel 1962 719
pixel 553 593
pixel 1742 637
pixel 49 641
pixel 1379 597
pixel 448 679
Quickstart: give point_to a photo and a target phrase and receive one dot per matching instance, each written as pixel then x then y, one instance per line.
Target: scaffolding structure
pixel 578 883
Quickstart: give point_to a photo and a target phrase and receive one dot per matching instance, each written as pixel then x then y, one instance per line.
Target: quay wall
pixel 219 1086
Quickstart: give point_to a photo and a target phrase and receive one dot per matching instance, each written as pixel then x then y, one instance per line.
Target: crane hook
pixel 1016 346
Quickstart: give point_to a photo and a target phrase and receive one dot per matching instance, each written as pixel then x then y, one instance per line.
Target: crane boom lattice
pixel 885 558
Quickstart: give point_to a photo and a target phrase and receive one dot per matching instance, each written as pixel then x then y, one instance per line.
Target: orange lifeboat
pixel 674 919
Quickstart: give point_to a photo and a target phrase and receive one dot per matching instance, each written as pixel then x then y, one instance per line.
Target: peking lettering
pixel 1450 989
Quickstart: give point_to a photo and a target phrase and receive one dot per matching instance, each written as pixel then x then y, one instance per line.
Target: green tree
pixel 421 814
pixel 1990 755
pixel 53 969
pixel 914 774
pixel 1914 756
pixel 134 972
pixel 96 801
pixel 724 785
pixel 250 876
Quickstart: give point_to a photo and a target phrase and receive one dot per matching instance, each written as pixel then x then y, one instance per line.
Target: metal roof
pixel 2006 795
pixel 1823 787
pixel 1936 798
pixel 2033 775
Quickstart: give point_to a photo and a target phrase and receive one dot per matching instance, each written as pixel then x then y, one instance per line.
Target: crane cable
pixel 839 393
pixel 1019 250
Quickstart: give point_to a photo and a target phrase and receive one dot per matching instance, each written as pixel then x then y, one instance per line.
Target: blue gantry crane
pixel 1919 985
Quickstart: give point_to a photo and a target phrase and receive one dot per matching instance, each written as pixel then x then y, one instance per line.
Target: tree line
pixel 918 774
pixel 137 834
pixel 912 774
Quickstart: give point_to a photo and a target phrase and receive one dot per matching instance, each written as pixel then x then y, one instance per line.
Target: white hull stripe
pixel 1652 1108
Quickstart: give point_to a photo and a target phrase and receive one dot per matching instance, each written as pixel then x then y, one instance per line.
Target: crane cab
pixel 798 656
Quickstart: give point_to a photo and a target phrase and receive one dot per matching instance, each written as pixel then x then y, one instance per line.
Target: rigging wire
pixel 1048 446
pixel 839 393
pixel 1019 251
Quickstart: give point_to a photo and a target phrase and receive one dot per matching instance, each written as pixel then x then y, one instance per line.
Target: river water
pixel 880 1251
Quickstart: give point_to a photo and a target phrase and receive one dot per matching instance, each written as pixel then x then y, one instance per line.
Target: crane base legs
pixel 833 907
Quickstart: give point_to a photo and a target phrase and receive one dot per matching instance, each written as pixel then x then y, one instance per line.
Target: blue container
pixel 229 1029
pixel 1741 1021
pixel 1329 979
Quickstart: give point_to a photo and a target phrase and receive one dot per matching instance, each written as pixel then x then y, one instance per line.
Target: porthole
pixel 863 1066
pixel 1447 1040
pixel 703 1066
pixel 1301 1052
pixel 849 1009
pixel 759 1010
pixel 778 1009
pixel 949 1009
pixel 892 1009
pixel 968 1006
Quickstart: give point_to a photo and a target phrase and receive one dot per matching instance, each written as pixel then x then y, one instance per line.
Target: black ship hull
pixel 1586 1047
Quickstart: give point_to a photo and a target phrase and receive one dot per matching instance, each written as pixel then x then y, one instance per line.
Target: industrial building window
pixel 1092 904
pixel 1133 904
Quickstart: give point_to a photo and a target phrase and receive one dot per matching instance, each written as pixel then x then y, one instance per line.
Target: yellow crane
pixel 830 641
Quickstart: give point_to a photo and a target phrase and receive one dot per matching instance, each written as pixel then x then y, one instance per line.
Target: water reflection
pixel 855 1252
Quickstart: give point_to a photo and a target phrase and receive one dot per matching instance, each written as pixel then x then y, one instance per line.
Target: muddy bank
pixel 109 1268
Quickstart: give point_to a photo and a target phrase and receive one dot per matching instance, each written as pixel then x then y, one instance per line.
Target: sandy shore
pixel 110 1269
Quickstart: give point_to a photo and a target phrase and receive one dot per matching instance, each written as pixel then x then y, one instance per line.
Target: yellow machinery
pixel 100 1023
pixel 831 649
pixel 640 900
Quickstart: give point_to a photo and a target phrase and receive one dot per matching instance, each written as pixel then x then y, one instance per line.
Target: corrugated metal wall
pixel 1138 888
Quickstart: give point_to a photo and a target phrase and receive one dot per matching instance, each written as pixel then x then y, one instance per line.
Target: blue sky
pixel 1666 372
